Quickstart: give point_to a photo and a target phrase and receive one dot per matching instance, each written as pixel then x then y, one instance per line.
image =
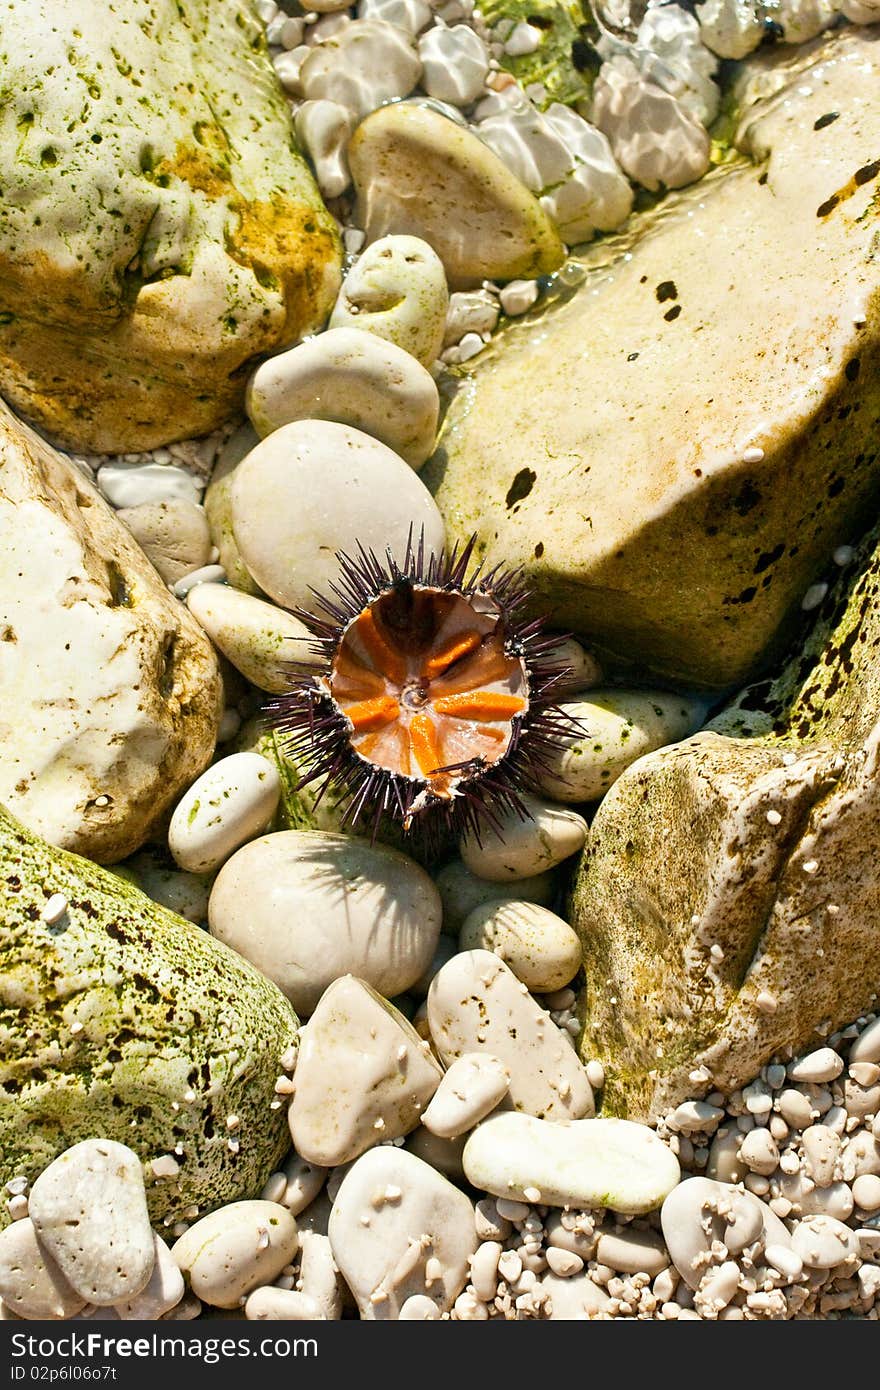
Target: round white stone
pixel 174 535
pixel 31 1283
pixel 824 1242
pixel 616 727
pixel 390 1248
pixel 224 808
pixel 411 15
pixel 476 1004
pixel 397 291
pixel 163 1292
pixel 521 847
pixel 866 1047
pixel 455 64
pixel 730 28
pixel 307 907
pixel 574 1299
pixel 566 162
pixel 314 488
pixel 822 1065
pixel 654 138
pixel 273 1304
pixel 355 378
pixel 587 1163
pixel 137 484
pixel 231 1252
pixel 699 1211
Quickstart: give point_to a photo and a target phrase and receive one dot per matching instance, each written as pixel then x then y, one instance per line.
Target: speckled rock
pixel 118 1010
pixel 179 230
pixel 737 870
pixel 420 174
pixel 110 691
pixel 742 489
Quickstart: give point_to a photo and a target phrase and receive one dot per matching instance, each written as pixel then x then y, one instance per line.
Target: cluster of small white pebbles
pixel 421 1193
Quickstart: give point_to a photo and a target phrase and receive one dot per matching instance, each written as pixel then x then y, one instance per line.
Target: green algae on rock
pixel 672 451
pixel 728 905
pixel 157 230
pixel 565 60
pixel 120 1020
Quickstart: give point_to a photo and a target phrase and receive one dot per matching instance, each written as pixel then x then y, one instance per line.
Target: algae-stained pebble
pixel 125 1022
pixel 419 174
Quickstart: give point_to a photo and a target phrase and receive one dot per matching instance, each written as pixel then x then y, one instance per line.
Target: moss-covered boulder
pixel 672 450
pixel 158 226
pixel 120 1020
pixel 729 902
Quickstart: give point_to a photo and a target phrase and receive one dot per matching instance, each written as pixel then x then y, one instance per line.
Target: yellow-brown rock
pixel 158 227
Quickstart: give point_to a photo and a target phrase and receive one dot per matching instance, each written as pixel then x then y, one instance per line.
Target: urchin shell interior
pixel 432 699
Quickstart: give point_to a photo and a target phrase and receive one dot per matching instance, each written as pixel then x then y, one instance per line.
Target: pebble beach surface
pixel 448 1156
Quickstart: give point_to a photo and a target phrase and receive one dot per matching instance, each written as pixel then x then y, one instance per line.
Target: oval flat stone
pixel 461 891
pixel 824 1243
pixel 313 488
pixel 470 1089
pixel 259 638
pixel 307 906
pixel 616 728
pixel 420 174
pixel 356 378
pixel 232 1251
pixel 399 1229
pixel 230 803
pixel 476 1004
pixel 588 1163
pixel 382 1075
pixel 524 846
pixel 89 1211
pixel 163 1292
pixel 575 1298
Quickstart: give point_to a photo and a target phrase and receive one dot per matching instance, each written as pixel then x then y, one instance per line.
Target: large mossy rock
pixel 123 1021
pixel 675 448
pixel 729 901
pixel 110 693
pixel 158 226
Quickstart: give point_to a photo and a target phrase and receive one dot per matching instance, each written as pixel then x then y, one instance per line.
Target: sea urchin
pixel 432 700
